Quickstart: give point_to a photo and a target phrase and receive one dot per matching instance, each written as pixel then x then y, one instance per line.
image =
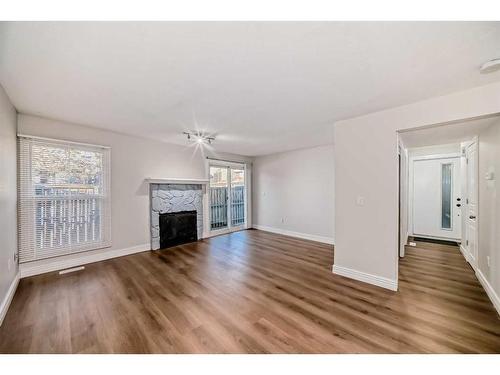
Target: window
pixel 64 199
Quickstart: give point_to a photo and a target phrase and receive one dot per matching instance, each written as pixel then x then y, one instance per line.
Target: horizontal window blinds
pixel 64 198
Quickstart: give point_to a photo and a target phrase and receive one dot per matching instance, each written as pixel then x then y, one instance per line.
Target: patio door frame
pixel 246 191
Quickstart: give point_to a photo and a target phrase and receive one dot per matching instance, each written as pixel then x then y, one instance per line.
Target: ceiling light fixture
pixel 199 137
pixel 490 66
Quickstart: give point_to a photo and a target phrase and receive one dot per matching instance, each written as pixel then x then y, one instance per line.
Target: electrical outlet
pixel 488 261
pixel 412 244
pixel 360 201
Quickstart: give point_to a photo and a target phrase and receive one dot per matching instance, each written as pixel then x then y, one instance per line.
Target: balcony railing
pixel 67 221
pixel 219 203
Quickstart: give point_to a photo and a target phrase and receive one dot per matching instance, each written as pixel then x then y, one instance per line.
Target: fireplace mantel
pixel 180 181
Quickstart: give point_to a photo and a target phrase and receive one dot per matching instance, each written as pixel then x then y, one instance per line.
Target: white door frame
pixel 411 161
pixel 471 257
pixel 403 196
pixel 247 193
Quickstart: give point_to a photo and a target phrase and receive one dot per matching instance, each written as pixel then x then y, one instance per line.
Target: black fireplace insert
pixel 177 228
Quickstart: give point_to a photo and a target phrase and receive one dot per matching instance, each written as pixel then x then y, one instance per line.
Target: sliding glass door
pixel 227 197
pixel 237 201
pixel 219 189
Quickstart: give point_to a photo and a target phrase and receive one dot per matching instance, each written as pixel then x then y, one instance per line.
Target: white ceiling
pixel 445 134
pixel 262 87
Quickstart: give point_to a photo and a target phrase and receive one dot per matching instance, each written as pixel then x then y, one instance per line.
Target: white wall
pixel 489 207
pixel 8 201
pixel 132 160
pixel 366 165
pixel 294 192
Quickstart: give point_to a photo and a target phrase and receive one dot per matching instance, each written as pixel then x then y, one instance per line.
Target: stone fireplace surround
pixel 175 195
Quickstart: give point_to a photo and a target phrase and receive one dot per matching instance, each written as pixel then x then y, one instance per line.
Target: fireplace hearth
pixel 177 228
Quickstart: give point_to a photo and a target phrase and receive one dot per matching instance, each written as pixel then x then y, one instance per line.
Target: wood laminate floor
pixel 252 292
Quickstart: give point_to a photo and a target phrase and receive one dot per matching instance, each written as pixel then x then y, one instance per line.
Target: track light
pixel 199 137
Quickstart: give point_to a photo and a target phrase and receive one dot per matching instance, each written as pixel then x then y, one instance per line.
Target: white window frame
pixel 28 249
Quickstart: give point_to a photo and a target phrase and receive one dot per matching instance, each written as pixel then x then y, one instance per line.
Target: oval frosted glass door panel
pixel 446 198
pixel 436 190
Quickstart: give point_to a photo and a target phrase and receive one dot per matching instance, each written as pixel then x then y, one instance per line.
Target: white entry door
pixel 471 203
pixel 436 198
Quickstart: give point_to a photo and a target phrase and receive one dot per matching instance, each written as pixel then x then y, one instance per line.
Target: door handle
pixel 472 217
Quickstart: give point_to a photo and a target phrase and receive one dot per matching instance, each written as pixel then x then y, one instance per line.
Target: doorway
pixel 452 208
pixel 440 184
pixel 227 196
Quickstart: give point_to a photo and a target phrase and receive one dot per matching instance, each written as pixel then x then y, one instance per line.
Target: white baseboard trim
pixel 32 268
pixel 495 299
pixel 464 253
pixel 467 258
pixel 4 307
pixel 402 249
pixel 366 277
pixel 305 236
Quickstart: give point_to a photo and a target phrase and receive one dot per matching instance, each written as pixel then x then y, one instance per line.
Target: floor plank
pixel 252 292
